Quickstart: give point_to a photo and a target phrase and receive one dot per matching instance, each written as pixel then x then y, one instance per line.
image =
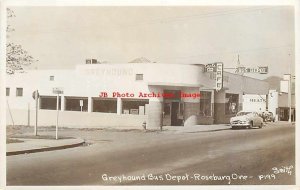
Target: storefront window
pixel 205 103
pixel 74 103
pixel 232 103
pixel 105 105
pixel 49 102
pixel 134 106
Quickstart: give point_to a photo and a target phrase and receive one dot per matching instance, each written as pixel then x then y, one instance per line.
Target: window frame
pixel 22 91
pixel 145 101
pixel 7 91
pixel 115 100
pixel 51 78
pixel 236 106
pixel 204 101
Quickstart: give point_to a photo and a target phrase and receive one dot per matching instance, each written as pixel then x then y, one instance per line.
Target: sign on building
pixel 254 102
pixel 91 61
pixel 211 67
pixel 286 77
pixel 216 68
pixel 284 86
pixel 219 76
pixel 58 90
pixel 260 70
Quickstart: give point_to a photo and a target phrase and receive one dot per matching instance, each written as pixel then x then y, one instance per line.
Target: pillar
pixel 154 114
pixel 119 106
pixel 62 102
pixel 90 104
pixel 191 108
pixel 155 109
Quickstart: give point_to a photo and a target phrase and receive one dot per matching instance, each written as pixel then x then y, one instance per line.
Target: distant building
pixel 126 95
pixel 283 107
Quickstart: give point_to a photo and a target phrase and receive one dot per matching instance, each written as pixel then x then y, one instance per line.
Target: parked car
pixel 246 119
pixel 268 116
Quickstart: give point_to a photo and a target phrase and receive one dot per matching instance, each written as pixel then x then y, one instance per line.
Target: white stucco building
pixel 119 95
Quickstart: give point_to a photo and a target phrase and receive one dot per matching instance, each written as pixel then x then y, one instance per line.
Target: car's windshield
pixel 242 113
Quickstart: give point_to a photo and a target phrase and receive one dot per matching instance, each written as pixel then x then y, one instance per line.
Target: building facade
pixel 127 95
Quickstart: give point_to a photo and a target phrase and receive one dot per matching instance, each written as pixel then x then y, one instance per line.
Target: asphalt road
pixel 255 156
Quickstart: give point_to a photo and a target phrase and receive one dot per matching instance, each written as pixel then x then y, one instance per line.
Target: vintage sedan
pixel 246 120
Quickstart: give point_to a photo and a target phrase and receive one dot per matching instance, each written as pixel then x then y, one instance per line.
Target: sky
pixel 62 37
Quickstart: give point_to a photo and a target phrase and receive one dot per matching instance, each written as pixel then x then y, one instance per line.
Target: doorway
pixel 173 114
pixel 172 108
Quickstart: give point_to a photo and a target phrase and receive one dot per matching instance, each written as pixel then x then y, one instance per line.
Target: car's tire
pixel 251 125
pixel 233 127
pixel 261 125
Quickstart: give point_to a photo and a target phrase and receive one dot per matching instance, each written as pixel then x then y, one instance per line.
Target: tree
pixel 16 56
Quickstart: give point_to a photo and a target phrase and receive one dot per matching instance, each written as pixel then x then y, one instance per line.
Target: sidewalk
pixel 26 145
pixel 197 128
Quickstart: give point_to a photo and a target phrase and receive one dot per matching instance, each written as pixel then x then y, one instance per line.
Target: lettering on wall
pixel 109 71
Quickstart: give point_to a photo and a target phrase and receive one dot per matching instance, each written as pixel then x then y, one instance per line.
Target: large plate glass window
pixel 231 103
pixel 134 106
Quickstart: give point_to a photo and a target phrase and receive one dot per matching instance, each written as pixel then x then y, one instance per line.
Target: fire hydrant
pixel 144 125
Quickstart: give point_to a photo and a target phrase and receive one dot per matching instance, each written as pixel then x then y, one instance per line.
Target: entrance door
pixel 173 109
pixel 174 113
pixel 167 114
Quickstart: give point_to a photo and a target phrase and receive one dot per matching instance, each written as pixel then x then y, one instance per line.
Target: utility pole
pixel 57 108
pixel 290 99
pixel 28 123
pixel 36 96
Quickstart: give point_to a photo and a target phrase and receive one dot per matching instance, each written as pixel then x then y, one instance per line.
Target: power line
pixel 167 20
pixel 233 52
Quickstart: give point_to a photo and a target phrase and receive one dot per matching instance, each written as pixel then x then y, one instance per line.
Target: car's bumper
pixel 240 125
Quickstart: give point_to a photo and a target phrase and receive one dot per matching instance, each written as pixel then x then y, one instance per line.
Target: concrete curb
pixel 45 149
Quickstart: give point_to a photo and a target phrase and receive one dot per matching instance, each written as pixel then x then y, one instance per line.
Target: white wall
pixel 254 102
pixel 90 80
pixel 273 102
pixel 76 119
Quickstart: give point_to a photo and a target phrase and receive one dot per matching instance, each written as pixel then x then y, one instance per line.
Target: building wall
pixel 236 84
pixel 254 102
pixel 76 119
pixel 273 103
pixel 90 80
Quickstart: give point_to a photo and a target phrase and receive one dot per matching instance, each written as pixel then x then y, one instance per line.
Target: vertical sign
pixel 219 76
pixel 81 104
pixel 211 67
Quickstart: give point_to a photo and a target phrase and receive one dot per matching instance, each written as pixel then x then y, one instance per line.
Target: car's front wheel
pixel 261 125
pixel 250 125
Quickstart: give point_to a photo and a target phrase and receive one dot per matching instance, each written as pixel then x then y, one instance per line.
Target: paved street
pixel 193 158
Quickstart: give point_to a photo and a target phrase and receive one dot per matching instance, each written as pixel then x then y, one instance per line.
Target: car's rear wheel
pixel 261 125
